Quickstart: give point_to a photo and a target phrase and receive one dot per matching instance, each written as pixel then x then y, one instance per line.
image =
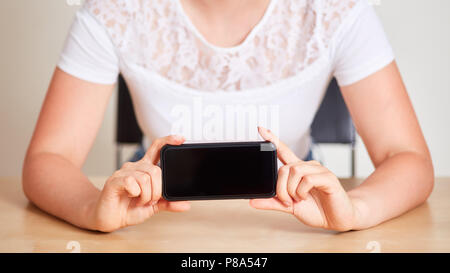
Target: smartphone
pixel 232 170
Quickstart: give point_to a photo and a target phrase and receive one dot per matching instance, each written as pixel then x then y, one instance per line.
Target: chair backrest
pixel 332 123
pixel 127 130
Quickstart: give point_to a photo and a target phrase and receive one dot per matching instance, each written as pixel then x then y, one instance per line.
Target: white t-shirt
pixel 181 83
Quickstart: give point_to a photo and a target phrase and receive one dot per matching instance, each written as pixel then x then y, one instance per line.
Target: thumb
pixel 269 204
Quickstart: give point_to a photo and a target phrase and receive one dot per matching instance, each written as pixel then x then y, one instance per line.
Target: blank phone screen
pixel 214 171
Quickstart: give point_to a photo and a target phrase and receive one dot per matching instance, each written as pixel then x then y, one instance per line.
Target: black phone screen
pixel 219 170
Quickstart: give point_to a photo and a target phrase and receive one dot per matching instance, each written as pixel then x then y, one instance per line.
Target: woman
pixel 226 52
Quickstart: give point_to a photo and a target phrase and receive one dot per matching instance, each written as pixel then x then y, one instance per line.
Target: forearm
pixel 398 184
pixel 55 185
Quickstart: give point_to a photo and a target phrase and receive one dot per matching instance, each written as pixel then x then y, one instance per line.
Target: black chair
pixel 127 129
pixel 332 123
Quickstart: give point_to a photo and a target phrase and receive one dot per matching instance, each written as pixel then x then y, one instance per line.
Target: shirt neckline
pixel 246 40
pixel 274 89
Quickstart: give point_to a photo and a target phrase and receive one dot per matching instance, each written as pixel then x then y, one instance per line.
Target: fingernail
pixel 287 204
pixel 154 203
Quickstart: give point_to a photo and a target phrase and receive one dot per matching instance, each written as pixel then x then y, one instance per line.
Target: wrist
pixel 90 220
pixel 360 213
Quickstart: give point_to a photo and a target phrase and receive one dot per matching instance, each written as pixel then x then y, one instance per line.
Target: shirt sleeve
pixel 89 53
pixel 360 46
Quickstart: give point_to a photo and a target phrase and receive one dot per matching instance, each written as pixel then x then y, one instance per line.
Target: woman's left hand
pixel 309 191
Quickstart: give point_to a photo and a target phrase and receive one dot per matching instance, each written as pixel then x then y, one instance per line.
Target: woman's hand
pixel 133 193
pixel 309 191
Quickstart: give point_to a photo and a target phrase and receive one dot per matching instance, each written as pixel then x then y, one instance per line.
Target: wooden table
pixel 222 226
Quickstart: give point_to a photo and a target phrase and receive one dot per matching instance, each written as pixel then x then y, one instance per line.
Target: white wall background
pixel 33 32
pixel 32 35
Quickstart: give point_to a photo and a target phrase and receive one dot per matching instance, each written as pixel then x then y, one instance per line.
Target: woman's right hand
pixel 133 193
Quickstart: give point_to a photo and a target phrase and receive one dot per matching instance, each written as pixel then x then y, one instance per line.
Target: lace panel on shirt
pixel 154 34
